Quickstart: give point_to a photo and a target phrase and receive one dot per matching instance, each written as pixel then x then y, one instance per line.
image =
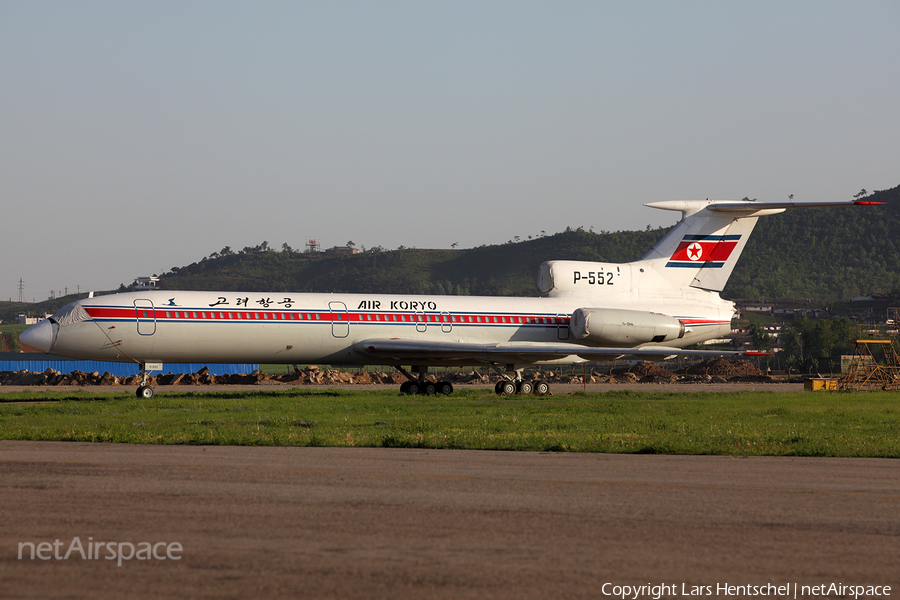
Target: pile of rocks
pixel 720 367
pixel 312 375
pixel 54 377
pixel 709 371
pixel 645 372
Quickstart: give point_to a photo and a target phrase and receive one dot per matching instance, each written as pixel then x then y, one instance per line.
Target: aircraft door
pixel 421 321
pixel 146 317
pixel 562 324
pixel 340 319
pixel 446 322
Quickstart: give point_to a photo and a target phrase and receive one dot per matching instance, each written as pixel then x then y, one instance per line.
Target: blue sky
pixel 138 136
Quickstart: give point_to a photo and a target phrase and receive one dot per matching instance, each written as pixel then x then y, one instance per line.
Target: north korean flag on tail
pixel 698 251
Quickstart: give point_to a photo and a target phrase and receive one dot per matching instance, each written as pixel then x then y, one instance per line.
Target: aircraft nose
pixel 40 337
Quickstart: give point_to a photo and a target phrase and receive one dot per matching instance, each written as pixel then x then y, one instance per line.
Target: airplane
pixel 651 308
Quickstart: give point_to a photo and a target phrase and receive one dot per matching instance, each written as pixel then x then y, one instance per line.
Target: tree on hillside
pixel 760 338
pixel 808 343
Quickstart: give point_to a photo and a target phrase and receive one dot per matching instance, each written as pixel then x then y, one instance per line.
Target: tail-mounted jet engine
pixel 619 327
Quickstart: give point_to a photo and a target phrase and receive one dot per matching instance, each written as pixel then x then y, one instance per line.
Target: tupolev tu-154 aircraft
pixel 653 307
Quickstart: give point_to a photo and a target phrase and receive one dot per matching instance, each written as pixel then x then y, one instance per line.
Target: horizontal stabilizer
pixel 744 206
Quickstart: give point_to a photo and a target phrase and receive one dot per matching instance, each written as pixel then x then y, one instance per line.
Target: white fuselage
pixel 244 327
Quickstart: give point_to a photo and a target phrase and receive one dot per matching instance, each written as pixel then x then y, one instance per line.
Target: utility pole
pixel 21 290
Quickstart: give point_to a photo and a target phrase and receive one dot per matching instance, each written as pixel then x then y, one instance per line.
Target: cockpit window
pixel 70 313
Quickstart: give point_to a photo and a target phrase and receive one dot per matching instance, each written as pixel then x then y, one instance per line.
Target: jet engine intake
pixel 620 327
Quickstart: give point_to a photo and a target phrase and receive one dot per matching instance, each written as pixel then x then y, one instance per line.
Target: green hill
pixel 506 269
pixel 826 255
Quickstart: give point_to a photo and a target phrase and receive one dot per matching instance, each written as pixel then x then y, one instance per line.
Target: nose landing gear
pixel 144 390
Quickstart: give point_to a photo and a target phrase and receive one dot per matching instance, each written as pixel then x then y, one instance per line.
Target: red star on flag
pixel 694 251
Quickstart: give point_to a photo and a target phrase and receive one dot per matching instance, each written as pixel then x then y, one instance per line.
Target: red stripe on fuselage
pixel 704 321
pixel 299 316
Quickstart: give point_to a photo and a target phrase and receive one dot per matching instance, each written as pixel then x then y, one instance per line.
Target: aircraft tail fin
pixel 703 248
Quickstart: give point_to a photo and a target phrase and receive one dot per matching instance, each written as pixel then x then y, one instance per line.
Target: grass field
pixel 739 423
pixel 8 328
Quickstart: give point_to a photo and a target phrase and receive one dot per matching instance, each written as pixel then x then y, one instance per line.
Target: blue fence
pixel 64 365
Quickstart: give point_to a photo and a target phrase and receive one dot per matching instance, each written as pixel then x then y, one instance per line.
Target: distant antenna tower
pixel 312 246
pixel 21 290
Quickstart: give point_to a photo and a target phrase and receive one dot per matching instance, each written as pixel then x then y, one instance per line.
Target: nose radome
pixel 40 337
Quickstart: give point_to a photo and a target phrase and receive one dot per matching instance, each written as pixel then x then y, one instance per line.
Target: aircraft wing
pixel 516 352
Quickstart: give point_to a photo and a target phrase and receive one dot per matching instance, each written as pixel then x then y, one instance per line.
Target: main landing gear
pixel 419 386
pixel 513 383
pixel 512 386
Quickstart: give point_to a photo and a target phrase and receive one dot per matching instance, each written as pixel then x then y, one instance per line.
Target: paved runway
pixel 394 523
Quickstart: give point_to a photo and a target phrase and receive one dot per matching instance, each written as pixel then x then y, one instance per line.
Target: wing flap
pixel 399 349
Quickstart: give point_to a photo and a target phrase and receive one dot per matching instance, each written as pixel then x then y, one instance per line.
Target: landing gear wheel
pixel 508 388
pixel 541 387
pixel 413 388
pixel 525 387
pixel 445 388
pixel 429 389
pixel 404 387
pixel 145 392
pixel 497 387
